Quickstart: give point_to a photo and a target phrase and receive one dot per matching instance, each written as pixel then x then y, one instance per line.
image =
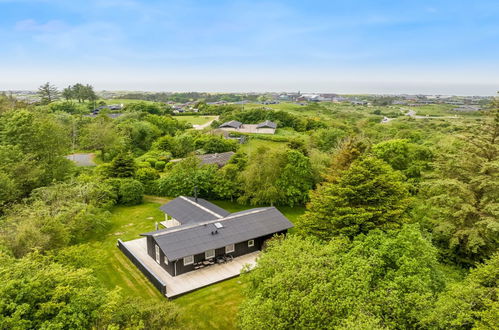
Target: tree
pixel 369 195
pixel 326 139
pixel 464 196
pixel 388 279
pixel 48 93
pixel 102 135
pixel 68 93
pixel 404 156
pixel 39 293
pixel 472 303
pixel 32 148
pixel 346 152
pixel 260 177
pixel 57 216
pixel 123 166
pixel 185 175
pixel 295 180
pixel 226 183
pixel 130 192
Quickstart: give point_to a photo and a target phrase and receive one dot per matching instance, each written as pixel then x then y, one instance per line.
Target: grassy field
pixel 213 307
pixel 195 120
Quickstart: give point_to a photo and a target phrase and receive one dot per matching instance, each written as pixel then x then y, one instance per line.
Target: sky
pixel 418 46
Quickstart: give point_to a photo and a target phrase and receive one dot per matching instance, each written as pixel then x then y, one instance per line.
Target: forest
pixel 396 226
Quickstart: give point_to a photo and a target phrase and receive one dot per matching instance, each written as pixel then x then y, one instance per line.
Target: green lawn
pixel 213 307
pixel 253 144
pixel 195 120
pixel 114 269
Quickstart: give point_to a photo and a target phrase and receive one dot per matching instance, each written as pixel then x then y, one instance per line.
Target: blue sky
pixel 446 47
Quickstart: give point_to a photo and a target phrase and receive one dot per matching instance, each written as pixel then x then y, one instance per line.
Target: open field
pixel 213 307
pixel 195 120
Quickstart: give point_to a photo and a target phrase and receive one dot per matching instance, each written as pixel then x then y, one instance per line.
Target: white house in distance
pixel 266 127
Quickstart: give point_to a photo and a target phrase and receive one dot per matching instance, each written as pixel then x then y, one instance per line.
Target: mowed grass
pixel 195 120
pixel 114 269
pixel 212 307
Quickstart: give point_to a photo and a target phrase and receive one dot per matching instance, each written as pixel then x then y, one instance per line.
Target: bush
pixel 144 165
pixel 151 161
pixel 146 175
pixel 130 192
pixel 160 165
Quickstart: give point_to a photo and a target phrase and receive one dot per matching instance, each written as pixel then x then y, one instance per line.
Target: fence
pixel 158 284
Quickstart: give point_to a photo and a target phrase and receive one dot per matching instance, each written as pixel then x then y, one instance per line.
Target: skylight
pixel 218 225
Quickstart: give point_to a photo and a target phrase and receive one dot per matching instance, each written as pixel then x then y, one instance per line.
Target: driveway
pixel 203 126
pixel 82 159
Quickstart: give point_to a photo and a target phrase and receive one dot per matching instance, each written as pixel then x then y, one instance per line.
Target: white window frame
pixel 230 248
pixel 189 260
pixel 251 243
pixel 157 254
pixel 210 254
pixel 166 260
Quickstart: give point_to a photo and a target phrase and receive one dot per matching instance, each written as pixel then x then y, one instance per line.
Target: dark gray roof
pixel 266 124
pixel 232 123
pixel 185 240
pixel 186 210
pixel 220 159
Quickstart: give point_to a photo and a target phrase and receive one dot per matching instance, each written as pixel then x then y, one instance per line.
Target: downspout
pixel 175 266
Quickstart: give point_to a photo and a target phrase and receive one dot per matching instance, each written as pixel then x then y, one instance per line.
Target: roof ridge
pixel 229 217
pixel 201 207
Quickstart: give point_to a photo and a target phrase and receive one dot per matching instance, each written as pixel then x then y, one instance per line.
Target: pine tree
pixel 48 93
pixel 123 166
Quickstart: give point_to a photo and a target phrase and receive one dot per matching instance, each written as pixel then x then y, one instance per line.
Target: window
pixel 251 243
pixel 209 254
pixel 188 260
pixel 166 260
pixel 229 248
pixel 156 249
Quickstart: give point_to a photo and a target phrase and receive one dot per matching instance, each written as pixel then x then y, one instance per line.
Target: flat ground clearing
pixel 195 120
pixel 213 307
pixel 82 159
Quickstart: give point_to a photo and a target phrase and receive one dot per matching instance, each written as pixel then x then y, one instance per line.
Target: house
pixel 231 124
pixel 468 108
pixel 220 159
pixel 199 233
pixel 266 127
pixel 267 124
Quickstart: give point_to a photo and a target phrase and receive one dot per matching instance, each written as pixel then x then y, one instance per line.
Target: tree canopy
pixel 369 195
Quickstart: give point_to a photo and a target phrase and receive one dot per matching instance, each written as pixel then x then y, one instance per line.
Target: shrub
pixel 147 174
pixel 130 192
pixel 151 161
pixel 160 165
pixel 144 165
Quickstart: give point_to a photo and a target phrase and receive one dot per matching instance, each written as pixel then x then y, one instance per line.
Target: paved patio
pixel 178 285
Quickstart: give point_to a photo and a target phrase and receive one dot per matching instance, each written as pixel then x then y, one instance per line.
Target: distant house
pixel 231 124
pixel 198 233
pixel 266 127
pixel 468 108
pixel 220 159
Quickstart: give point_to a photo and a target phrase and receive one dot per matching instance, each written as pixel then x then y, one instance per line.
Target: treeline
pixel 49 93
pixel 189 97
